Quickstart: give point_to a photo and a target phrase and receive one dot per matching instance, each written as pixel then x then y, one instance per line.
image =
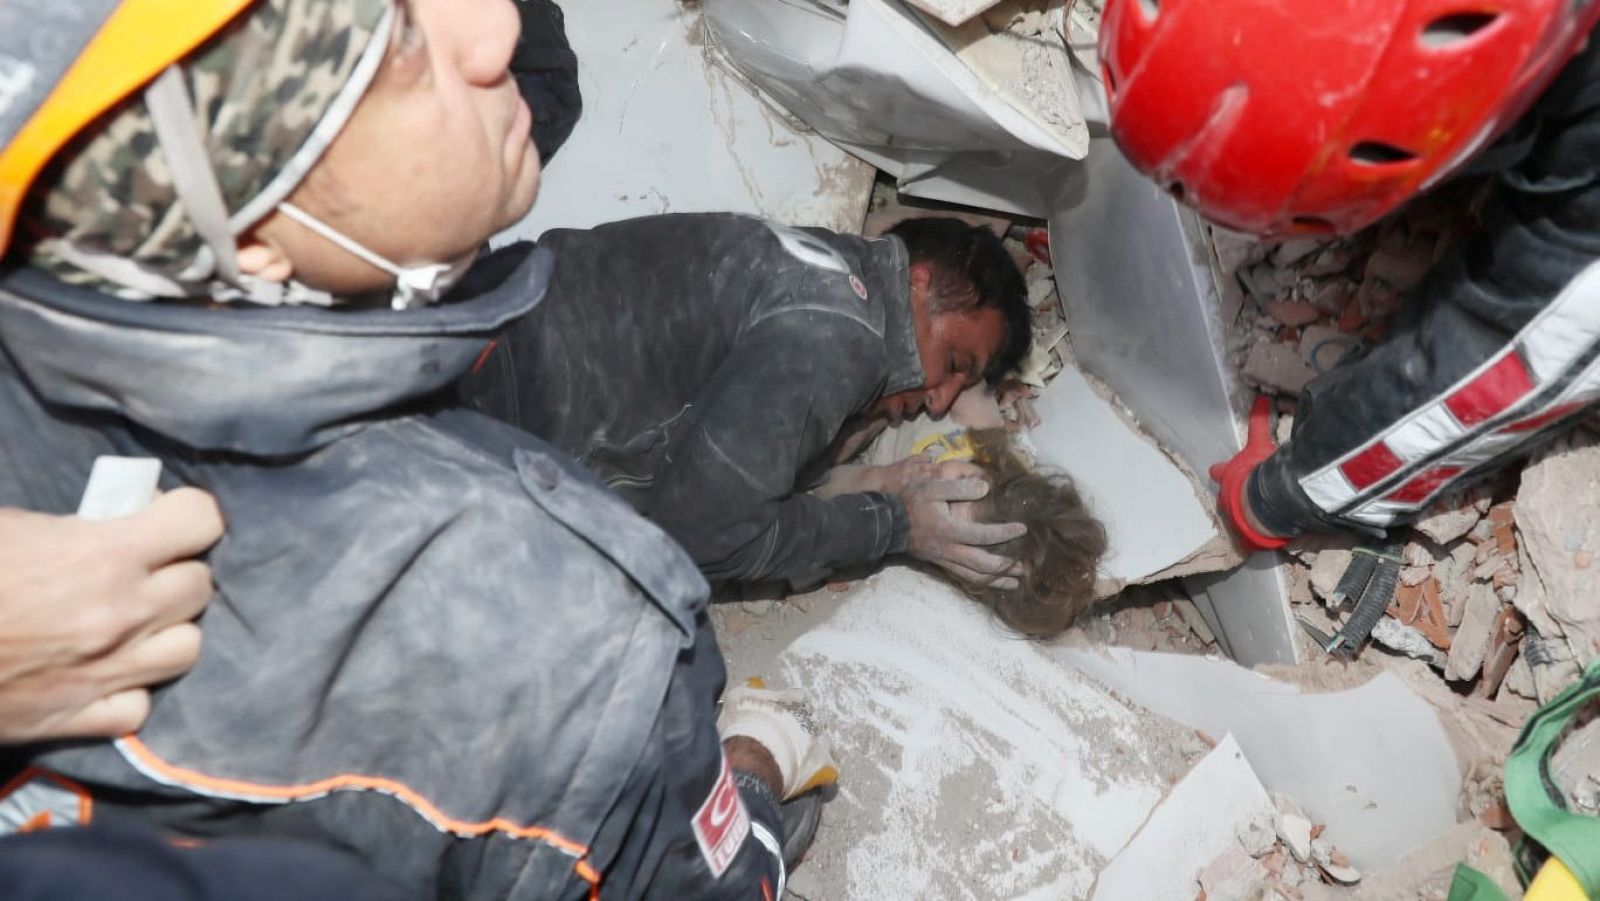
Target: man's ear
pixel 264 259
pixel 921 276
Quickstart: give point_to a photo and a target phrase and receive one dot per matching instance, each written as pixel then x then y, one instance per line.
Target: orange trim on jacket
pixel 148 761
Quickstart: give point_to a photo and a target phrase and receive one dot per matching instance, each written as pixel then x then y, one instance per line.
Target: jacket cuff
pixel 1283 508
pixel 759 801
pixel 899 525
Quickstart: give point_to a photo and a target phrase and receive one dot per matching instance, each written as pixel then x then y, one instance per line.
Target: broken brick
pixel 1503 647
pixel 1407 603
pixel 1292 313
pixel 1431 619
pixel 1506 539
pixel 1276 368
pixel 1352 319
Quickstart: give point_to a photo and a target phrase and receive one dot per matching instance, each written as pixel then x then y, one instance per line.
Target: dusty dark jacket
pixel 1543 231
pixel 436 641
pixel 701 364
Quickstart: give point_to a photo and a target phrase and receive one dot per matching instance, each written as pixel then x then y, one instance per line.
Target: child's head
pixel 1061 553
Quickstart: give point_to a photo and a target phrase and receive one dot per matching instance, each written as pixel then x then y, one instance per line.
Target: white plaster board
pixel 1373 763
pixel 973 765
pixel 879 82
pixel 1197 822
pixel 1136 281
pixel 665 128
pixel 1152 515
pixel 953 12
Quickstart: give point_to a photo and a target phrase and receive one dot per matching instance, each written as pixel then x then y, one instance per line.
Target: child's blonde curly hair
pixel 1060 554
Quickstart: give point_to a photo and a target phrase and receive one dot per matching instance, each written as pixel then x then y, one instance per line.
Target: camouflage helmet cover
pixel 262 90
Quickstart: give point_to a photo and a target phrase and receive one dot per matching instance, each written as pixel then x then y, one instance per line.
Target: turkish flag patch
pixel 721 824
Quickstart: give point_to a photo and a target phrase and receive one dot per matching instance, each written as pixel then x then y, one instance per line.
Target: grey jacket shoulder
pixel 778 268
pixel 385 582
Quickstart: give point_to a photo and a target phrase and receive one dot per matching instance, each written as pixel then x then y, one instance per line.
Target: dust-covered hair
pixel 1060 554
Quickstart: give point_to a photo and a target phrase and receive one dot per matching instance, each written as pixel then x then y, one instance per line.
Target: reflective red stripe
pixel 1423 485
pixel 1545 418
pixel 1374 464
pixel 1492 392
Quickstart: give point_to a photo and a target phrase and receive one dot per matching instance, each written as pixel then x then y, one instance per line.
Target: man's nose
pixel 486 32
pixel 939 400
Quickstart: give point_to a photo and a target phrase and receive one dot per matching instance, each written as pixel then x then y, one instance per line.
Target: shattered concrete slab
pixel 973 766
pixel 1373 763
pixel 1156 517
pixel 953 12
pixel 1556 514
pixel 1471 640
pixel 647 73
pixel 1190 830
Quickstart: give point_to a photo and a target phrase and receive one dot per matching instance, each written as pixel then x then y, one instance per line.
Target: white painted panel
pixel 1373 763
pixel 667 129
pixel 990 123
pixel 972 764
pixel 1194 825
pixel 1151 511
pixel 1137 285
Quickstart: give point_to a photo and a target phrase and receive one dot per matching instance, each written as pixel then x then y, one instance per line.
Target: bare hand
pixel 951 542
pixel 93 613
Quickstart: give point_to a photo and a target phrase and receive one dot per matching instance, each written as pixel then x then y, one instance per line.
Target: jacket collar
pixel 887 272
pixel 250 380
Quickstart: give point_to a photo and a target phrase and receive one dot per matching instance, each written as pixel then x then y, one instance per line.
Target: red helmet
pixel 1292 116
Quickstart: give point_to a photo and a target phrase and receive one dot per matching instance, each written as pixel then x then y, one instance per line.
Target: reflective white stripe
pixel 1424 432
pixel 1584 390
pixel 1549 345
pixel 1564 330
pixel 775 848
pixel 1328 489
pixel 1378 513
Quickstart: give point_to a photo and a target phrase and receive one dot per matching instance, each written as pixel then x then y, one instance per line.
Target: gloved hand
pixel 1233 474
pixel 782 722
pixel 954 543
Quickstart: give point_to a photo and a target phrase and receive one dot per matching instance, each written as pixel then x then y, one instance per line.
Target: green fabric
pixel 1537 803
pixel 1471 885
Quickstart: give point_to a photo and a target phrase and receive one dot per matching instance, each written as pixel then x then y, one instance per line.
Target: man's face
pixel 955 348
pixel 435 158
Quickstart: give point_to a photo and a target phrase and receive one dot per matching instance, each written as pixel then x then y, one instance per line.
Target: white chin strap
pixel 195 182
pixel 414 287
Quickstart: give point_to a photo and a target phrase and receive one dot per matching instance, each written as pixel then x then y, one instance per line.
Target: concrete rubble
pixel 1496 595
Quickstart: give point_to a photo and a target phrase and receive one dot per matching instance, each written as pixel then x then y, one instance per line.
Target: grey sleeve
pixel 1542 237
pixel 726 488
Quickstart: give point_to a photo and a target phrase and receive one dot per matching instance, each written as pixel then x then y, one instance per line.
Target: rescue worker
pixel 435 641
pixel 1283 119
pixel 704 364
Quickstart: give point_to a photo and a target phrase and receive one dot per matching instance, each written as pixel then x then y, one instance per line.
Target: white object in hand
pixel 119 486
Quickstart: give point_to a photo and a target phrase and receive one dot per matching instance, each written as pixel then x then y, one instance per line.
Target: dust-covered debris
pixel 1556 516
pixel 1309 302
pixel 973 765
